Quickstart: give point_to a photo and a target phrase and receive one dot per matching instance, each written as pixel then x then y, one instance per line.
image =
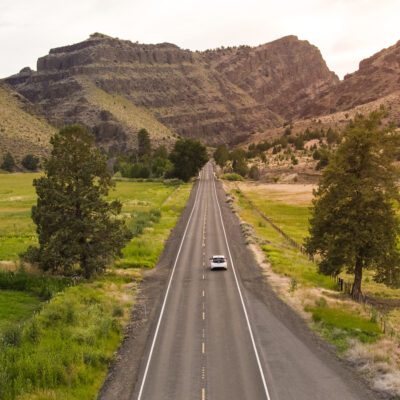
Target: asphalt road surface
pixel 224 334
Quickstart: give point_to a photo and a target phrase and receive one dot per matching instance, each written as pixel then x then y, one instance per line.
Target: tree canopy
pixel 144 144
pixel 30 162
pixel 77 227
pixel 221 155
pixel 353 224
pixel 188 157
pixel 8 163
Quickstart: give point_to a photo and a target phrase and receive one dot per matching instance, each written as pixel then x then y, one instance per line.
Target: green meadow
pixel 288 207
pixel 57 337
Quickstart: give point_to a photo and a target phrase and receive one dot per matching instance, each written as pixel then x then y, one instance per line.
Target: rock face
pixel 377 77
pixel 116 87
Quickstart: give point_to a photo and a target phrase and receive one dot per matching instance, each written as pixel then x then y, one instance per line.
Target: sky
pixel 345 31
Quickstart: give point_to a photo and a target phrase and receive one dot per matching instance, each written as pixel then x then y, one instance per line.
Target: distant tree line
pixel 30 162
pixel 184 161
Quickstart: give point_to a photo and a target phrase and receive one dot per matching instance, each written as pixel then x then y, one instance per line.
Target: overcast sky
pixel 346 31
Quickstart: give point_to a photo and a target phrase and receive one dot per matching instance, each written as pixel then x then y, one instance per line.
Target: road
pixel 224 334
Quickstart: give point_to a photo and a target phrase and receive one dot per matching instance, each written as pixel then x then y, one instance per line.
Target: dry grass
pixel 293 194
pixel 380 362
pixel 134 118
pixel 21 133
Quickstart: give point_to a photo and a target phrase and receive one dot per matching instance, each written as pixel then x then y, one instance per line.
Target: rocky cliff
pixel 376 78
pixel 116 87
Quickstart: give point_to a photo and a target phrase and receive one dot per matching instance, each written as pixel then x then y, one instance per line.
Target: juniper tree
pixel 221 155
pixel 75 224
pixel 8 163
pixel 188 157
pixel 353 224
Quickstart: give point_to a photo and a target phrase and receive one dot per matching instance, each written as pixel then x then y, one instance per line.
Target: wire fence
pixel 375 315
pixel 293 242
pixel 343 285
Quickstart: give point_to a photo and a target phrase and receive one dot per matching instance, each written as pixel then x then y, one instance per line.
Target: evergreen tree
pixel 8 163
pixel 221 155
pixel 30 162
pixel 76 225
pixel 144 144
pixel 188 157
pixel 240 166
pixel 354 224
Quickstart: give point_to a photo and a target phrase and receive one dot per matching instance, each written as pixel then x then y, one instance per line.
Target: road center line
pixel 167 291
pixel 241 298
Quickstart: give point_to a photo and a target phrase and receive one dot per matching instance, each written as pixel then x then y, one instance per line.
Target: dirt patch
pixel 295 194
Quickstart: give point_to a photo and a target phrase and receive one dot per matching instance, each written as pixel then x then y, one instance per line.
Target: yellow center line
pixel 204 315
pixel 203 348
pixel 204 293
pixel 203 394
pixel 204 276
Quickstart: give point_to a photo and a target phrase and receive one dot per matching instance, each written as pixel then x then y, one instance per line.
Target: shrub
pixel 254 173
pixel 8 163
pixel 232 177
pixel 30 162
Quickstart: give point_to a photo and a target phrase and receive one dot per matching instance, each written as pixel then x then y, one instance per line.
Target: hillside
pixel 222 96
pixel 22 130
pixel 376 78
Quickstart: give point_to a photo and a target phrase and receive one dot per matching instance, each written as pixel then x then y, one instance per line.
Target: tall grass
pixel 43 286
pixel 338 325
pixel 64 351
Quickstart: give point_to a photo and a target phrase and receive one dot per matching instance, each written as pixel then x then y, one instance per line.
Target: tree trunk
pixel 356 291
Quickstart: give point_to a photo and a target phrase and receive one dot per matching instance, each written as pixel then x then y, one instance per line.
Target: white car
pixel 218 262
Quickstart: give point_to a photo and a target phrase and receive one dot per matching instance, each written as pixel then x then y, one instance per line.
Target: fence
pixel 375 316
pixel 343 285
pixel 298 246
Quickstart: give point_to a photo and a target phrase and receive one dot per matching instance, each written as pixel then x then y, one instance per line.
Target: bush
pixel 30 162
pixel 232 177
pixel 142 219
pixel 12 336
pixel 8 163
pixel 254 173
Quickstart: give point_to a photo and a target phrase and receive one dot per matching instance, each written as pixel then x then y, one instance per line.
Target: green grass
pixel 292 219
pixel 17 230
pixel 284 259
pixel 16 307
pixel 144 251
pixel 63 352
pixel 338 325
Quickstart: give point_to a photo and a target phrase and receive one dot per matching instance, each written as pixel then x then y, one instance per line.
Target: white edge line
pixel 166 296
pixel 241 299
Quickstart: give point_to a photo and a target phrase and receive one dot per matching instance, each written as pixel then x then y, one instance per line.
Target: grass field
pixel 61 349
pixel 355 329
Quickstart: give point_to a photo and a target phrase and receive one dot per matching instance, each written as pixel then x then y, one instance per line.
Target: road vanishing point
pixel 225 334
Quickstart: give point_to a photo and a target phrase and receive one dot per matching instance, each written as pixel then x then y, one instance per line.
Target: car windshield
pixel 219 260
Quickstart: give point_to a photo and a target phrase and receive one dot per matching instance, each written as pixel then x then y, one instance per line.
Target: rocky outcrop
pixel 219 96
pixel 377 77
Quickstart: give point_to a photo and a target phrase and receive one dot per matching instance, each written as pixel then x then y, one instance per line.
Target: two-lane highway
pixel 202 347
pixel 217 338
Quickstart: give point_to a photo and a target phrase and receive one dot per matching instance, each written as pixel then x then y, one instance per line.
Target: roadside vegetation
pixel 356 329
pixel 183 162
pixel 58 330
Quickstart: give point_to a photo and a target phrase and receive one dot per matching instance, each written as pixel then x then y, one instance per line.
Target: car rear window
pixel 218 259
